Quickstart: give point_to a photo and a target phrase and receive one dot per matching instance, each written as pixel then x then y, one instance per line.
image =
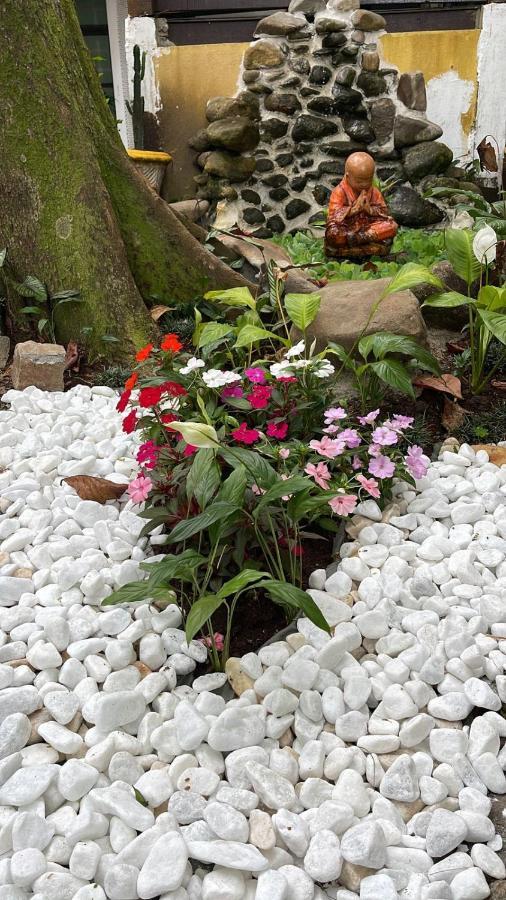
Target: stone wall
pixel 312 90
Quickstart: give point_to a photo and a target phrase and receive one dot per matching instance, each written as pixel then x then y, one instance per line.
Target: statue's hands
pixel 362 204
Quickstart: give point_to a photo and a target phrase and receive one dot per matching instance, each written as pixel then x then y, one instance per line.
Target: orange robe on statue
pixel 363 232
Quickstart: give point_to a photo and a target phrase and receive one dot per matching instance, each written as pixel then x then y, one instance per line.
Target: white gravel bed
pixel 343 769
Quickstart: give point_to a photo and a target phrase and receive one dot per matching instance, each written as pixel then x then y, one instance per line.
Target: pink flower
pixel 374 449
pixel 350 437
pixel 343 504
pixel 260 396
pixel 320 473
pixel 284 453
pixel 369 418
pixel 258 491
pixel 257 376
pixel 189 450
pixel 398 423
pixel 384 436
pixel 370 485
pixel 416 462
pixel 327 447
pixel 232 390
pixel 147 454
pixel 139 488
pixel 245 435
pixel 335 412
pixel 277 430
pixel 218 641
pixel 356 463
pixel 382 467
pixel 332 429
pixel 285 477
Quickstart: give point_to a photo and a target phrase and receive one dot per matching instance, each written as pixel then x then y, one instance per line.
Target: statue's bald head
pixel 359 171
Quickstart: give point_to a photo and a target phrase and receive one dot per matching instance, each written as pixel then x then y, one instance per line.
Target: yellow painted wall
pixel 189 76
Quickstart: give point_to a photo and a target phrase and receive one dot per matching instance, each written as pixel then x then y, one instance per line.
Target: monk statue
pixel 358 222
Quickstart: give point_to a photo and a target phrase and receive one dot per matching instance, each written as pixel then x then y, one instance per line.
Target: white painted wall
pixel 449 97
pixel 117 13
pixel 491 106
pixel 141 30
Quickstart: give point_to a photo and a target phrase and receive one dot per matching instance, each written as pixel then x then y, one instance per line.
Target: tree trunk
pixel 74 210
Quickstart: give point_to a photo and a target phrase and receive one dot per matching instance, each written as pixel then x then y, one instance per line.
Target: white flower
pixel 324 369
pixel 281 369
pixel 301 363
pixel 296 350
pixel 484 245
pixel 216 378
pixel 192 365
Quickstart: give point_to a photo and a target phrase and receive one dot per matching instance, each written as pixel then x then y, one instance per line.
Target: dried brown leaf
pixel 88 487
pixel 487 156
pixel 453 415
pixel 499 385
pixel 446 384
pixel 158 311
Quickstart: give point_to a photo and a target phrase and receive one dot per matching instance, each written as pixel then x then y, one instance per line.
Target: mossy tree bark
pixel 74 211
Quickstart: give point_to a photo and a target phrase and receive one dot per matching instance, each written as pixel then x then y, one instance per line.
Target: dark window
pixel 93 20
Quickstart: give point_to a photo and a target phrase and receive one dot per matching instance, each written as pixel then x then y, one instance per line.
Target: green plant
pixel 487 425
pixel 483 212
pixel 94 354
pixel 471 256
pixel 45 305
pixel 113 377
pixel 136 106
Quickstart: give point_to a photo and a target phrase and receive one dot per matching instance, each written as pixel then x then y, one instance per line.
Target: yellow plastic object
pixel 149 156
pixel 151 164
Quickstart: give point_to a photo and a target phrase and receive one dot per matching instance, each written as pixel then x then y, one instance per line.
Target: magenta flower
pixel 369 418
pixel 327 447
pixel 232 390
pixel 335 412
pixel 257 376
pixel 138 489
pixel 398 423
pixel 147 454
pixel 260 396
pixel 189 450
pixel 245 435
pixel 382 467
pixel 320 473
pixel 219 641
pixel 384 436
pixel 343 504
pixel 277 430
pixel 350 437
pixel 370 485
pixel 416 462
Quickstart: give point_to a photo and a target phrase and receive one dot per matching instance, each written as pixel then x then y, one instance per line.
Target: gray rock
pixel 273 128
pixel 5 348
pixel 382 114
pixel 371 84
pixel 370 60
pixel 309 128
pixel 307 6
pixel 36 364
pixel 410 130
pixel 346 98
pixel 280 23
pixel 226 165
pixel 283 103
pixel 245 104
pixel 426 158
pixel 325 23
pixel 318 74
pixel 264 54
pixel 411 90
pixel 238 133
pixel 345 75
pixel 409 208
pixel 367 20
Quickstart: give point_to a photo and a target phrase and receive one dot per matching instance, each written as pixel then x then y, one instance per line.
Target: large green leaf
pixel 493 298
pixel 393 373
pixel 251 334
pixel 173 567
pixel 302 309
pixel 212 332
pixel 240 582
pixel 200 613
pixel 203 479
pixel 233 488
pixel 217 512
pixel 238 296
pixel 32 287
pixel 459 247
pixel 447 300
pixel 289 595
pixel 495 322
pixel 384 342
pixel 293 485
pixel 257 467
pixel 135 591
pixel 411 275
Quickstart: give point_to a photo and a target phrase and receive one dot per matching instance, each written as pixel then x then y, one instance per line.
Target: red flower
pixel 130 422
pixel 189 450
pixel 277 430
pixel 260 396
pixel 150 396
pixel 245 435
pixel 171 342
pixel 123 401
pixel 144 352
pixel 167 418
pixel 287 379
pixel 174 389
pixel 131 382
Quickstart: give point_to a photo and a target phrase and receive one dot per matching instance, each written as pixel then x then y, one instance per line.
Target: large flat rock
pixel 346 306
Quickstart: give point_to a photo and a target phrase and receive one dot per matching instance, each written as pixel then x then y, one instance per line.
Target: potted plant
pixel 151 163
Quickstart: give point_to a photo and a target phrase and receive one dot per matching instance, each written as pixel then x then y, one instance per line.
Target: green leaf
pixel 251 334
pixel 212 332
pixel 293 485
pixel 393 373
pixel 342 354
pixel 203 479
pixel 302 309
pixel 257 467
pixel 239 296
pixel 41 324
pixel 384 342
pixel 198 327
pixel 218 512
pixel 411 275
pixel 32 287
pixel 448 300
pixel 233 488
pixel 73 294
pixel 492 298
pixel 459 247
pixel 135 591
pixel 495 322
pixel 289 595
pixel 33 310
pixel 174 566
pixel 109 339
pixel 200 613
pixel 241 582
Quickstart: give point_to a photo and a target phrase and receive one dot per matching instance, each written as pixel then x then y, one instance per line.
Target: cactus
pixel 136 107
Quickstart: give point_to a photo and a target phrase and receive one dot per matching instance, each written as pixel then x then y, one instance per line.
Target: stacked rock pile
pixel 313 89
pixel 357 765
